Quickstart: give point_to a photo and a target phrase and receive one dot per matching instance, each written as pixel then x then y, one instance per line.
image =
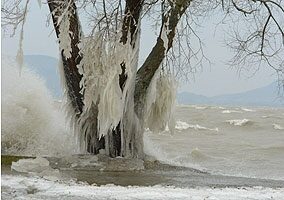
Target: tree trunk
pixel 72 77
pixel 127 138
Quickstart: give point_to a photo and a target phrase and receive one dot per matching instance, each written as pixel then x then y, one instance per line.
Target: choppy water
pixel 234 141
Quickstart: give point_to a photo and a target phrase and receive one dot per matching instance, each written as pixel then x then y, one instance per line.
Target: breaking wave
pixel 239 122
pixel 30 123
pixel 247 110
pixel 180 125
pixel 231 111
pixel 277 127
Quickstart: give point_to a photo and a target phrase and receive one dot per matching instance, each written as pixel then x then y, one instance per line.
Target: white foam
pixel 180 125
pixel 247 110
pixel 277 127
pixel 18 187
pixel 238 122
pixel 230 111
pixel 200 107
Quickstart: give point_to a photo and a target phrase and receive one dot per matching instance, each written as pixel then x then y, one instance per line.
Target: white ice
pixel 21 187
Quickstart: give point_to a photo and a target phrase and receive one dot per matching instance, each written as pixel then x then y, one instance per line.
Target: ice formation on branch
pixel 101 67
pixel 164 35
pixel 160 102
pixel 65 34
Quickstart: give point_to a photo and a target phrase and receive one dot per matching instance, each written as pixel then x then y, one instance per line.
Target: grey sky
pixel 219 79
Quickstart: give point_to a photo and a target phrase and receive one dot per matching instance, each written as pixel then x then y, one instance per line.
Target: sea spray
pixel 31 125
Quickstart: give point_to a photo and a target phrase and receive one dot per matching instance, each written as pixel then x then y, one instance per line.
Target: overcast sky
pixel 214 80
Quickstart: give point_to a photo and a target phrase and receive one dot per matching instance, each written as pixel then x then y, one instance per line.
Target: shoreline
pixel 124 172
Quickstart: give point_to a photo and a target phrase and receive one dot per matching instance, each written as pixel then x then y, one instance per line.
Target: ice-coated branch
pixel 67 27
pixel 170 19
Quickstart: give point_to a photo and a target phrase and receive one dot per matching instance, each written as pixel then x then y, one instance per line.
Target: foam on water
pixel 180 125
pixel 239 122
pixel 30 123
pixel 230 111
pixel 277 127
pixel 247 110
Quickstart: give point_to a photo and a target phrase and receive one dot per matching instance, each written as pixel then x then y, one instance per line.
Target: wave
pixel 239 122
pixel 277 127
pixel 231 111
pixel 156 151
pixel 247 110
pixel 196 154
pixel 30 123
pixel 180 125
pixel 200 107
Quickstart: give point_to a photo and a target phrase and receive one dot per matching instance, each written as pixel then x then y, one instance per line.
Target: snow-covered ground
pixel 22 187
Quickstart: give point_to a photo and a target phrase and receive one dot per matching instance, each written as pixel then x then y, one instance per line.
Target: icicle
pixel 20 54
pixel 100 68
pixel 39 3
pixel 160 103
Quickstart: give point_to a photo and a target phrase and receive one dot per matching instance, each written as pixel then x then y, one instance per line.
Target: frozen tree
pixel 110 99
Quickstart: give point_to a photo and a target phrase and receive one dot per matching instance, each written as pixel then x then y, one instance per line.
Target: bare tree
pixel 111 98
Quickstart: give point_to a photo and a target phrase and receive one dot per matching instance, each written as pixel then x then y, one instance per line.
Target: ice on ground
pixel 38 166
pixel 20 187
pixel 238 122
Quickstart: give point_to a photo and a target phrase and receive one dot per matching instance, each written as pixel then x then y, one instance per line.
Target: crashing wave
pixel 30 123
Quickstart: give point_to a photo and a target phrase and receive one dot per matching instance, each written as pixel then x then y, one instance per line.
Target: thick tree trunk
pixel 72 76
pixel 127 138
pixel 130 27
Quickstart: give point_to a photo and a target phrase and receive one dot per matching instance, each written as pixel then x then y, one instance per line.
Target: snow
pixel 21 187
